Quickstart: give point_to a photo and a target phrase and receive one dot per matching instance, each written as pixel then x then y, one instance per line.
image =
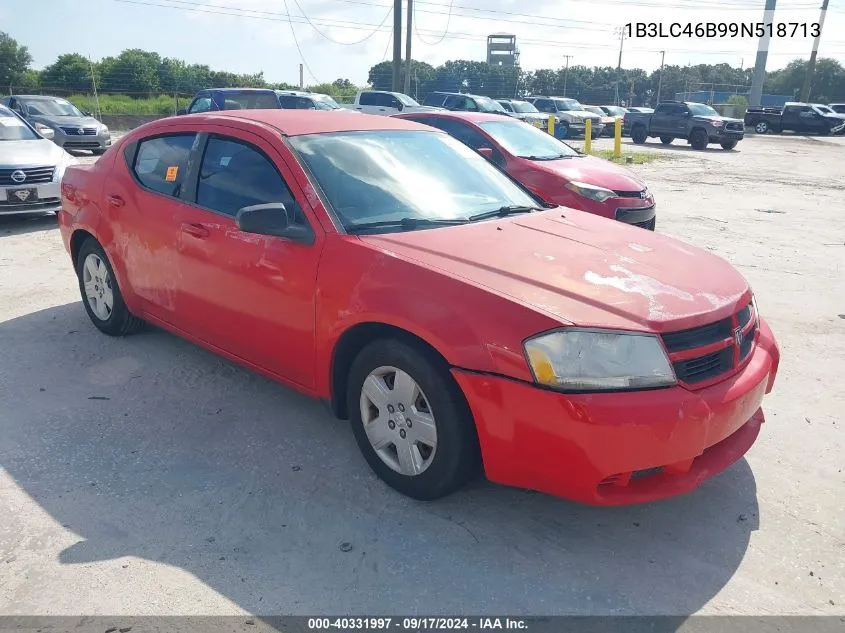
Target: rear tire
pixel 639 134
pixel 699 140
pixel 101 295
pixel 761 127
pixel 380 379
pixel 667 140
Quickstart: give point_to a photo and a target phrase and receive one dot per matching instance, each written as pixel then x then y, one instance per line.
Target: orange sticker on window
pixel 170 176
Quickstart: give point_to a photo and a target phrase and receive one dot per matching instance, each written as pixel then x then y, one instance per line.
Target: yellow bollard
pixel 588 135
pixel 617 140
pixel 550 125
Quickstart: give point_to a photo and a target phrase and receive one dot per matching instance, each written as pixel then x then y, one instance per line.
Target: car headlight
pixel 599 194
pixel 717 123
pixel 63 163
pixel 40 127
pixel 578 359
pixel 104 129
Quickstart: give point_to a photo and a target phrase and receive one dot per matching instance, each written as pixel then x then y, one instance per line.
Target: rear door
pixel 250 295
pixel 666 120
pixel 143 211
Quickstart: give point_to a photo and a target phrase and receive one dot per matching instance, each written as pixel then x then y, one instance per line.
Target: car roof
pixel 38 97
pixel 472 117
pixel 300 122
pixel 237 90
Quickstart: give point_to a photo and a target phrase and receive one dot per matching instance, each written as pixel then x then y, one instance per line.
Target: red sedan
pixel 549 167
pixel 389 269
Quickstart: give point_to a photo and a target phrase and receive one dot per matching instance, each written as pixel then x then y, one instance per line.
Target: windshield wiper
pixel 502 212
pixel 407 224
pixel 553 157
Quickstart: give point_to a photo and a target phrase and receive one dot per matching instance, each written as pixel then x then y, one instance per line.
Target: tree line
pixel 139 73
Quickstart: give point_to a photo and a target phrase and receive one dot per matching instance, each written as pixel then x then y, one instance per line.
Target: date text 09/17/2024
pixel 722 29
pixel 416 623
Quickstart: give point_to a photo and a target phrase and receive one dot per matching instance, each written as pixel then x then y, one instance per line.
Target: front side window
pixel 544 105
pixel 564 105
pixel 406 100
pixel 523 107
pixel 161 163
pixel 526 141
pixel 486 104
pixel 384 176
pixel 250 101
pixel 290 102
pixel 325 102
pixel 507 106
pixel 235 174
pixel 201 104
pixel 50 107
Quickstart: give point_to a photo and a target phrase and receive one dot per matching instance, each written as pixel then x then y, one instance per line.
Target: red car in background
pixel 550 168
pixel 387 268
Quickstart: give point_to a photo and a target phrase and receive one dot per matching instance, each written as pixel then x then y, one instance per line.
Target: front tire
pixel 410 420
pixel 101 295
pixel 728 145
pixel 699 140
pixel 639 135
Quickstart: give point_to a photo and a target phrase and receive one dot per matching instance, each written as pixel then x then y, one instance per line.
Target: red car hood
pixel 593 171
pixel 581 269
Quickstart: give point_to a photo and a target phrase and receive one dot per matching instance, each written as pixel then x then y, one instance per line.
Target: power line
pixel 286 17
pixel 355 43
pixel 296 41
pixel 445 30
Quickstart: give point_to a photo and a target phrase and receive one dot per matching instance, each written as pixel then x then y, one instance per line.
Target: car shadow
pixel 682 146
pixel 29 223
pixel 150 447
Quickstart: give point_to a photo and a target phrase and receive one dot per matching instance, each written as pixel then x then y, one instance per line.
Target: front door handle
pixel 116 201
pixel 197 230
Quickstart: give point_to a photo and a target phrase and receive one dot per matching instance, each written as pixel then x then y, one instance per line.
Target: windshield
pixel 699 109
pixel 406 100
pixel 568 104
pixel 595 110
pixel 526 141
pixel 50 107
pixel 13 129
pixel 614 110
pixel 486 104
pixel 384 175
pixel 325 102
pixel 523 107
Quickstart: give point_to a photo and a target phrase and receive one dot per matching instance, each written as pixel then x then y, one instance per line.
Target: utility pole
pixel 762 53
pixel 660 79
pixel 566 73
pixel 397 44
pixel 621 31
pixel 408 48
pixel 301 78
pixel 94 86
pixel 811 66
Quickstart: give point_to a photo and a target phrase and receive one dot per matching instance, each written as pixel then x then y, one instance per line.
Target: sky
pixel 343 38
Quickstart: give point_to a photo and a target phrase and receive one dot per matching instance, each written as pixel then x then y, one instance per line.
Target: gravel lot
pixel 146 476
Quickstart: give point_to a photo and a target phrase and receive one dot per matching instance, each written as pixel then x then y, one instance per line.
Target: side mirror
pixel 687 113
pixel 486 152
pixel 86 113
pixel 181 111
pixel 272 219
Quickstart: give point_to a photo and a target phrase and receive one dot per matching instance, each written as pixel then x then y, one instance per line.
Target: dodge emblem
pixel 738 336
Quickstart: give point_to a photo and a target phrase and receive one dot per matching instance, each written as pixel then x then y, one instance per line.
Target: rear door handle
pixel 116 201
pixel 197 230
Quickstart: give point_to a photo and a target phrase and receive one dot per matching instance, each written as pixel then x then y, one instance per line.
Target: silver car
pixel 72 129
pixel 31 168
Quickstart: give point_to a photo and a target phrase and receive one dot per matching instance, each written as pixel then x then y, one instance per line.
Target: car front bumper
pixel 82 141
pixel 40 198
pixel 618 448
pixel 720 135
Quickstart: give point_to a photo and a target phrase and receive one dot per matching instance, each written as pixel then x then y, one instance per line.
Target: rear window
pixel 250 101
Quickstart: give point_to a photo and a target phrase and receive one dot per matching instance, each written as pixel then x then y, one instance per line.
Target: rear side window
pixel 433 99
pixel 250 101
pixel 234 174
pixel 161 163
pixel 290 102
pixel 367 99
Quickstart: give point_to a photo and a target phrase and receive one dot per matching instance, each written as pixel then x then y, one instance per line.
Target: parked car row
pixel 437 297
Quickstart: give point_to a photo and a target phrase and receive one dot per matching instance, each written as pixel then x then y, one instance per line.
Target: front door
pixel 250 295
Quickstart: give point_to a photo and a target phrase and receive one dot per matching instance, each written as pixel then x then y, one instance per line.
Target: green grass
pixel 637 158
pixel 123 104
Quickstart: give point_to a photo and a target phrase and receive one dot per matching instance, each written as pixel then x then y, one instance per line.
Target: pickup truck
pixel 387 103
pixel 698 123
pixel 802 118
